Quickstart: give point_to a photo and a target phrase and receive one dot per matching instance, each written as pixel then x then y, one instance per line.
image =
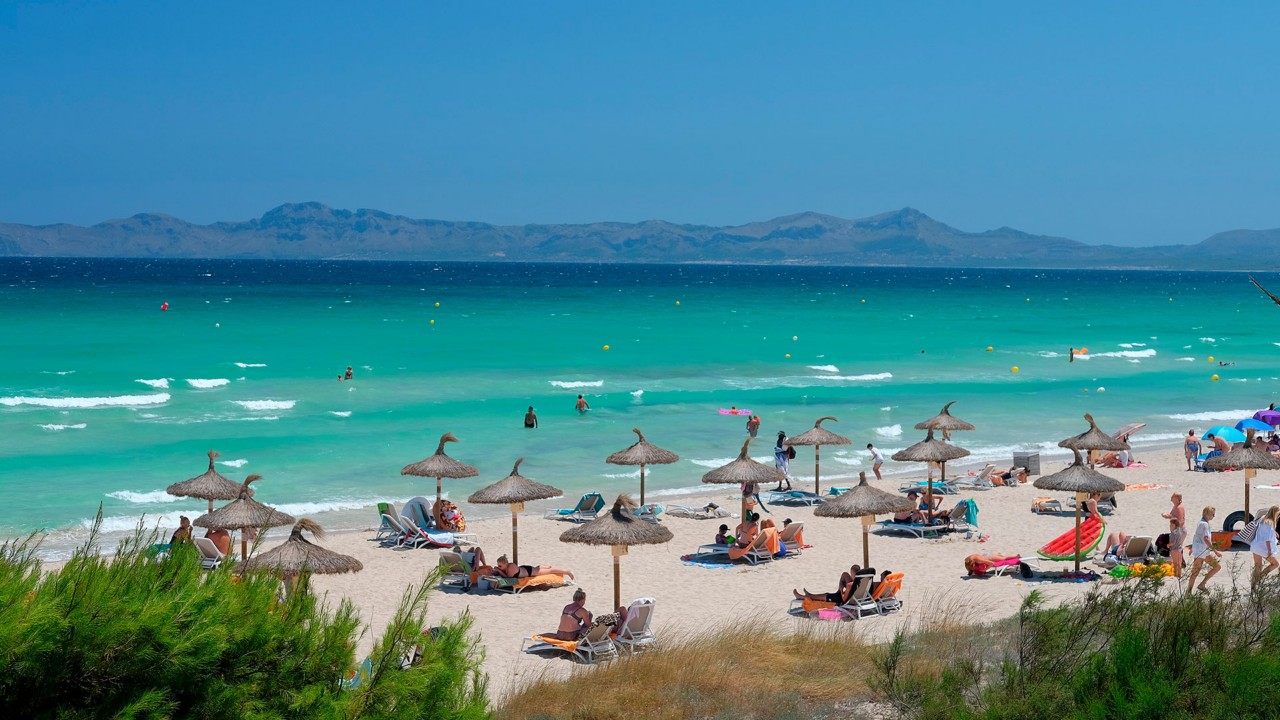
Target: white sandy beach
pixel 693 599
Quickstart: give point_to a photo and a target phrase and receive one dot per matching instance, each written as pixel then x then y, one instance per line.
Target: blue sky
pixel 1104 122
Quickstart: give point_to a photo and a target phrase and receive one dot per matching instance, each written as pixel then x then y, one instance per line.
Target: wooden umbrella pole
pixel 1079 502
pixel 617 577
pixel 210 504
pixel 866 533
pixel 641 484
pixel 244 546
pixel 1248 476
pixel 515 544
pixel 438 490
pixel 817 482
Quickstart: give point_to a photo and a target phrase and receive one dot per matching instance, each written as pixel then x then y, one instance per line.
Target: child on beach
pixel 1177 545
pixel 877 459
pixel 723 536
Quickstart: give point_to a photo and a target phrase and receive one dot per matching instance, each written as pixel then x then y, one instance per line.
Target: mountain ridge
pixel 313 231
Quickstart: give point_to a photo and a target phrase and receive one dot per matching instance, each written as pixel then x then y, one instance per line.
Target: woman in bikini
pixel 843 590
pixel 746 532
pixel 508 570
pixel 575 619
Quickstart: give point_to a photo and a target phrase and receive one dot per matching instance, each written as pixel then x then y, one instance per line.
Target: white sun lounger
pixel 210 556
pixel 596 645
pixel 637 632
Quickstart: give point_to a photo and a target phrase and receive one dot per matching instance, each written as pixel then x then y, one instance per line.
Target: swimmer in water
pixel 582 405
pixel 530 419
pixel 1071 355
pixel 349 374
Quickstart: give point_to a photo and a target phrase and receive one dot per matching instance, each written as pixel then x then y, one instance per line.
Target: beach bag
pixel 1162 544
pixel 791 452
pixel 1248 531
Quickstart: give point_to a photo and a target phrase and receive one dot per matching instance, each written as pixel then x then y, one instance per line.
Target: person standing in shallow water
pixel 753 425
pixel 530 418
pixel 582 405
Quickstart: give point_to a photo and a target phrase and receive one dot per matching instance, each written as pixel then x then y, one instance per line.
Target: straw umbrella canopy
pixel 209 486
pixel 1245 457
pixel 945 421
pixel 514 490
pixel 619 528
pixel 744 470
pixel 1081 479
pixel 244 512
pixel 440 466
pixel 865 502
pixel 299 555
pixel 642 453
pixel 930 450
pixel 1093 439
pixel 817 437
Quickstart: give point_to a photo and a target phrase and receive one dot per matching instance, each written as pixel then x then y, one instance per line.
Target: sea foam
pixel 205 384
pixel 158 383
pixel 234 463
pixel 1128 354
pixel 77 426
pixel 143 498
pixel 266 404
pixel 576 383
pixel 825 368
pixel 1232 415
pixel 87 402
pixel 249 365
pixel 889 431
pixel 340 413
pixel 856 378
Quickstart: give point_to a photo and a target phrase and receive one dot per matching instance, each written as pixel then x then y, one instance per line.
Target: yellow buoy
pixel 989 348
pixel 1210 358
pixel 795 337
pixel 788 356
pixel 1215 378
pixel 1028 299
pixel 1170 299
pixel 437 304
pixel 677 303
pixel 433 322
pixel 864 301
pixel 1013 369
pixel 606 347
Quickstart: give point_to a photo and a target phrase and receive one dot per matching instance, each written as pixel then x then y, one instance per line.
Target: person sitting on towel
pixel 575 619
pixel 508 570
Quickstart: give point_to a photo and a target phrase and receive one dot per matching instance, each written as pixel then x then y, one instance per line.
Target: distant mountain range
pixel 906 237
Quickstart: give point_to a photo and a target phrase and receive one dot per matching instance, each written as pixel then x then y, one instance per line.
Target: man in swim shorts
pixel 530 419
pixel 582 405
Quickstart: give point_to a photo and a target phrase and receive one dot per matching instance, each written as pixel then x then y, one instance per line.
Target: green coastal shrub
pixel 134 637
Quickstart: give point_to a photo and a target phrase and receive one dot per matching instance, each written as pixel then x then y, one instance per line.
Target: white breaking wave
pixel 825 368
pixel 634 474
pixel 158 383
pixel 576 383
pixel 1186 359
pixel 856 378
pixel 143 498
pixel 234 463
pixel 886 408
pixel 127 523
pixel 1213 415
pixel 889 431
pixel 1120 354
pixel 77 426
pixel 1208 340
pixel 260 418
pixel 1048 354
pixel 88 402
pixel 340 413
pixel 637 393
pixel 204 384
pixel 1132 345
pixel 767 459
pixel 249 365
pixel 266 404
pixel 310 508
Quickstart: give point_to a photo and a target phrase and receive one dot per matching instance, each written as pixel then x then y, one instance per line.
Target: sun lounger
pixel 793 497
pixel 637 632
pixel 886 595
pixel 919 530
pixel 385 530
pixel 515 586
pixel 596 645
pixel 757 552
pixel 398 531
pixel 939 487
pixel 792 538
pixel 588 508
pixel 416 537
pixel 454 569
pixel 210 556
pixel 419 511
pixel 860 603
pixel 707 512
pixel 1140 548
pixel 649 512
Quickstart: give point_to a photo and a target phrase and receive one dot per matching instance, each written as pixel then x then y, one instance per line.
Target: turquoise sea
pixel 107 398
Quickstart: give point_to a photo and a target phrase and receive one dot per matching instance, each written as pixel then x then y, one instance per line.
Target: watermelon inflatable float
pixel 1063 546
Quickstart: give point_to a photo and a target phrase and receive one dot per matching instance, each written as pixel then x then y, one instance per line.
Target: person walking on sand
pixel 1191 447
pixel 1263 547
pixel 531 419
pixel 782 453
pixel 1203 551
pixel 753 425
pixel 582 406
pixel 877 459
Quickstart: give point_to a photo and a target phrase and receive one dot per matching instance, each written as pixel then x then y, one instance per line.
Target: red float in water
pixel 164 306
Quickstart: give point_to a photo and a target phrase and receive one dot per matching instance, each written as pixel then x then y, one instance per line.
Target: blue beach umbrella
pixel 1229 434
pixel 1252 424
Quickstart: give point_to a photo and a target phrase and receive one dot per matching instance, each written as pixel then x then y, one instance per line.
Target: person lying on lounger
pixel 1116 542
pixel 844 590
pixel 979 564
pixel 506 569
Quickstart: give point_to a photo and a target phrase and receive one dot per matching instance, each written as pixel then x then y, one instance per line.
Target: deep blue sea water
pixel 108 399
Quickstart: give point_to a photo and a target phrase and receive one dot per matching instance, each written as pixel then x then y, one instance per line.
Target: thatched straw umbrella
pixel 1082 480
pixel 244 512
pixel 744 470
pixel 298 555
pixel 642 453
pixel 514 490
pixel 945 421
pixel 440 466
pixel 817 437
pixel 1093 439
pixel 619 528
pixel 930 450
pixel 865 502
pixel 209 486
pixel 1247 458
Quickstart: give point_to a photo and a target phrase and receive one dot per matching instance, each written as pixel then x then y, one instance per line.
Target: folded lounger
pixel 588 508
pixel 1063 547
pixel 595 645
pixel 793 497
